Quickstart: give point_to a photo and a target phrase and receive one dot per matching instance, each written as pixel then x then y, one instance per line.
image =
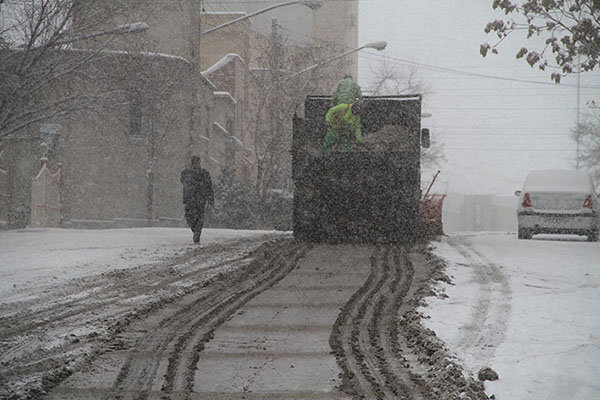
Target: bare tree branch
pixel 35 58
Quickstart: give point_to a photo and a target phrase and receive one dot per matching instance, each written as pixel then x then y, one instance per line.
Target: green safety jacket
pixel 346 92
pixel 343 128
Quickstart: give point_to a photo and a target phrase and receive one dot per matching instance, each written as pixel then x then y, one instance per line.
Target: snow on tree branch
pixel 570 28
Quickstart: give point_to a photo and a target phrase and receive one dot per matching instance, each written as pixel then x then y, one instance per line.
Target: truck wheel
pixel 524 233
pixel 593 235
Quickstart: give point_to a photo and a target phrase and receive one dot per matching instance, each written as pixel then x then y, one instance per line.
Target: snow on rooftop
pixel 411 98
pixel 563 181
pixel 209 82
pixel 222 62
pixel 223 13
pixel 225 94
pixel 237 142
pixel 135 53
pixel 220 127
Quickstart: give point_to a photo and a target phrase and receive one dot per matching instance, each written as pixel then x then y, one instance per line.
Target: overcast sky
pixel 494 130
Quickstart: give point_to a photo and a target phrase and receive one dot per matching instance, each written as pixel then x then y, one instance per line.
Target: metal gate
pixel 46 199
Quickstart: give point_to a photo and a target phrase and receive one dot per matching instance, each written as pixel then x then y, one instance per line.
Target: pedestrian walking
pixel 197 191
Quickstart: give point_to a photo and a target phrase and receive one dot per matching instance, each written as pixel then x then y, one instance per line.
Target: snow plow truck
pixel 370 194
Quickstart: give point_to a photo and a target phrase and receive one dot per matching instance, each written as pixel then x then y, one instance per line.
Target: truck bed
pixel 368 196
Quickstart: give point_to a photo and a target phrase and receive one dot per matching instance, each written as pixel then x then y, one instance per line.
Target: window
pixel 352 21
pixel 135 116
pixel 140 117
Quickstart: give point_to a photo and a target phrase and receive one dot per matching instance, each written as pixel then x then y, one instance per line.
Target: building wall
pixel 19 162
pixel 231 76
pixel 335 22
pixel 175 29
pixel 298 18
pixel 479 213
pixel 122 159
pixel 174 26
pixel 234 39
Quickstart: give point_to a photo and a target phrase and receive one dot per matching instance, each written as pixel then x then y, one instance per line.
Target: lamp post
pixel 312 4
pixel 374 45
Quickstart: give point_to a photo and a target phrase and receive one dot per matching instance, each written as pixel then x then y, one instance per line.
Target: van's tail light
pixel 526 200
pixel 588 202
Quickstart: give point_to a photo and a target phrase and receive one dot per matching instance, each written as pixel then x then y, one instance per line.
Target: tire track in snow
pixel 367 337
pixel 487 326
pixel 182 336
pixel 36 346
pixel 103 291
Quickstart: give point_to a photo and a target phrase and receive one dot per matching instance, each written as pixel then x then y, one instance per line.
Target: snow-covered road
pixel 526 308
pixel 33 258
pixel 529 309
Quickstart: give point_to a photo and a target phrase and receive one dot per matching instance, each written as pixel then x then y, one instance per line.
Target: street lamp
pixel 312 4
pixel 374 45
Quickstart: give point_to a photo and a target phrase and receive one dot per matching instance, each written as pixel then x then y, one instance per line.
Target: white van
pixel 558 201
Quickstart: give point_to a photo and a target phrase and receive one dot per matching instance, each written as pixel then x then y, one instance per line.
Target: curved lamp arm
pixel 312 4
pixel 373 45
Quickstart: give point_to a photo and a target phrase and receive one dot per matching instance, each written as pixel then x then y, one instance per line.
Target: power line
pixel 484 136
pixel 474 74
pixel 504 128
pixel 501 108
pixel 379 57
pixel 505 149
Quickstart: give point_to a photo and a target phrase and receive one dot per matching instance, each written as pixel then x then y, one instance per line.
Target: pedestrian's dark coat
pixel 197 191
pixel 197 188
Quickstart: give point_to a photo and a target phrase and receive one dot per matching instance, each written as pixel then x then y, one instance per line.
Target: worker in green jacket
pixel 343 127
pixel 346 91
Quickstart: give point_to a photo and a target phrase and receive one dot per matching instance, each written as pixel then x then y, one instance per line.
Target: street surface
pixel 259 316
pixel 526 308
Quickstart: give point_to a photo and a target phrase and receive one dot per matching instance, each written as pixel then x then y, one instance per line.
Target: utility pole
pixel 276 66
pixel 577 130
pixel 194 58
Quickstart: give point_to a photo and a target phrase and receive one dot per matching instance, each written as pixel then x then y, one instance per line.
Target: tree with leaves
pixel 570 30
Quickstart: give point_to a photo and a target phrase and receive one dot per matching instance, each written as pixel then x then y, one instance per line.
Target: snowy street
pixel 525 308
pixel 66 294
pixel 300 200
pixel 34 258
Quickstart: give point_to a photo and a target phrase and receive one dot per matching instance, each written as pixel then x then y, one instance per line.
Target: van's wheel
pixel 593 235
pixel 524 233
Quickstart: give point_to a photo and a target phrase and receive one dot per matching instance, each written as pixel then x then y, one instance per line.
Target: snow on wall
pixel 221 63
pixel 221 128
pixel 225 94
